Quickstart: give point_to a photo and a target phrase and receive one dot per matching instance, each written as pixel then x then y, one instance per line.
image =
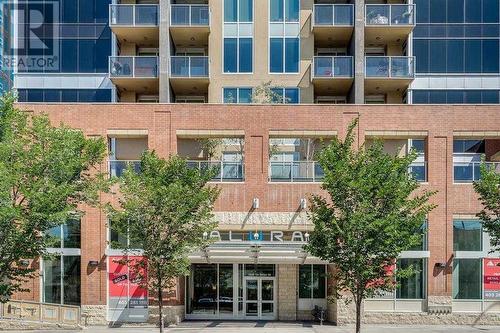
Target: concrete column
pixel 164 50
pixel 287 292
pixel 359 52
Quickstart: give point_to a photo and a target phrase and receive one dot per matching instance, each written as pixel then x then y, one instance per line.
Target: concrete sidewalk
pixel 279 327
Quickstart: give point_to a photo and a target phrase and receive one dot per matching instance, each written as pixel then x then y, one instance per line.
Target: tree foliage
pixel 46 172
pixel 488 188
pixel 166 208
pixel 372 213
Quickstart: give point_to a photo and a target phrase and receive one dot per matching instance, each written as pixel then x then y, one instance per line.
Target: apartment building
pixel 156 75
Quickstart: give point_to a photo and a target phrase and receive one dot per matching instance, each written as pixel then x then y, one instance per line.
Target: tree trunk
pixel 160 303
pixel 358 301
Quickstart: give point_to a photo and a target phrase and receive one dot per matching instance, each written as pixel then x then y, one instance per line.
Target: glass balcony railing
pixel 418 170
pixel 189 15
pixel 389 67
pixel 333 67
pixel 333 15
pixel 189 66
pixel 471 172
pixel 118 167
pixel 303 171
pixel 133 67
pixel 133 15
pixel 225 171
pixel 390 15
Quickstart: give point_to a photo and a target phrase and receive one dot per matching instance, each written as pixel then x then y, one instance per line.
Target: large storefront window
pixel 413 286
pixel 312 281
pixel 61 271
pixel 203 287
pixel 467 235
pixel 467 278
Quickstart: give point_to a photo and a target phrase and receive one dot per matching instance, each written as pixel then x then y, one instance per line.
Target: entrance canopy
pixel 260 252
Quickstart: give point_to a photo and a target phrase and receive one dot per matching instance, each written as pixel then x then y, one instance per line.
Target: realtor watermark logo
pixel 31 35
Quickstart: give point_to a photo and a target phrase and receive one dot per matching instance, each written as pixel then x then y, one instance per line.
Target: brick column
pixel 287 292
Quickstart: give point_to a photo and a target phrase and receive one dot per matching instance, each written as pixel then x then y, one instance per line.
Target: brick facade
pixel 162 121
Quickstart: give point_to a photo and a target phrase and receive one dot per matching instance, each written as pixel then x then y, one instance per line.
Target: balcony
pixel 332 75
pixel 302 171
pixel 468 172
pixel 333 22
pixel 135 23
pixel 190 25
pixel 388 23
pixel 118 167
pixel 135 73
pixel 418 170
pixel 189 75
pixel 225 171
pixel 386 74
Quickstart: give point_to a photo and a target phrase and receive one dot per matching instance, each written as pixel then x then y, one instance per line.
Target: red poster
pixel 491 278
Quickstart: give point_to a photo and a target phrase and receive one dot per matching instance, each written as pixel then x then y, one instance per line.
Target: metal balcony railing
pixel 398 67
pixel 189 15
pixel 464 172
pixel 118 167
pixel 333 15
pixel 133 67
pixel 225 171
pixel 189 66
pixel 133 15
pixel 418 170
pixel 390 15
pixel 303 171
pixel 333 67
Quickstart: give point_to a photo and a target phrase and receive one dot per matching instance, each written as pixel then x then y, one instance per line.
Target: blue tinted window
pixel 455 11
pixel 230 10
pixel 472 11
pixel 246 11
pixel 473 97
pixel 86 55
pixel 490 97
pixel 230 55
pixel 86 11
pixel 69 60
pixel 437 11
pixel 245 55
pixel 64 95
pixel 103 95
pixel 102 51
pixel 437 52
pixel 421 53
pixel 35 95
pixel 276 55
pixel 71 95
pixel 455 56
pixel 437 97
pixel 276 9
pixel 455 97
pixel 490 11
pixel 472 56
pixel 420 97
pixel 292 95
pixel 278 95
pixel 101 11
pixel 292 10
pixel 86 96
pixel 490 56
pixel 22 95
pixel 69 11
pixel 422 7
pixel 51 95
pixel 291 55
pixel 230 95
pixel 245 95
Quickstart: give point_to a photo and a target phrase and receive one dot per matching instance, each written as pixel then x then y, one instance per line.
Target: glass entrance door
pixel 260 298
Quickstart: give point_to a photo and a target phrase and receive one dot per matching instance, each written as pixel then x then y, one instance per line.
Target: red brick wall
pixel 256 121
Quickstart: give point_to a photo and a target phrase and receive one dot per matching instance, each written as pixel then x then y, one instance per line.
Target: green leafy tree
pixel 46 172
pixel 167 208
pixel 488 188
pixel 372 213
pixel 264 94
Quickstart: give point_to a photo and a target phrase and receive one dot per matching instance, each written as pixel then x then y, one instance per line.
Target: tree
pixel 488 188
pixel 45 174
pixel 167 208
pixel 264 94
pixel 371 215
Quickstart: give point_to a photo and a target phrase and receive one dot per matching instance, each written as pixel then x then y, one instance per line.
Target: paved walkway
pixel 279 327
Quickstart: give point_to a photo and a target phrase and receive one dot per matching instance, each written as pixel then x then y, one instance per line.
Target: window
pixel 467 278
pixel 455 96
pixel 469 146
pixel 284 42
pixel 312 281
pixel 65 95
pixel 413 286
pixel 237 95
pixel 238 36
pixel 286 95
pixel 61 271
pixel 467 235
